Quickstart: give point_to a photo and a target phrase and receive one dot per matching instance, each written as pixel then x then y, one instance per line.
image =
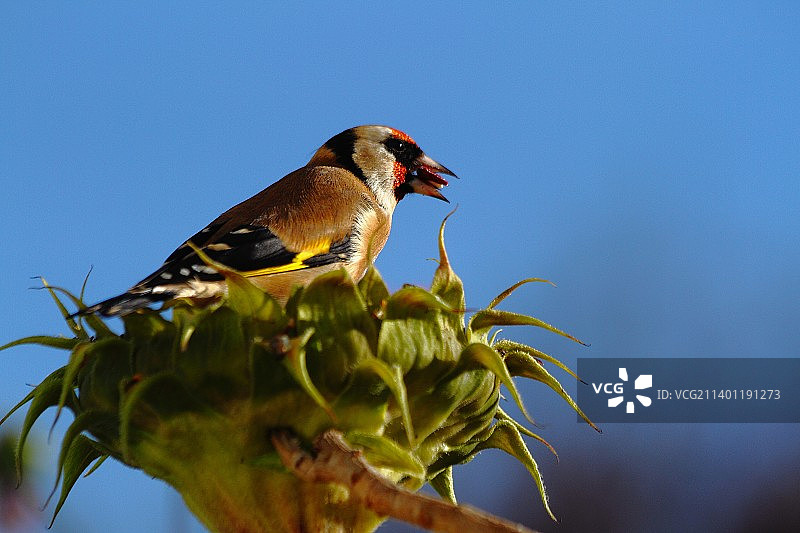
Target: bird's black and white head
pixel 387 160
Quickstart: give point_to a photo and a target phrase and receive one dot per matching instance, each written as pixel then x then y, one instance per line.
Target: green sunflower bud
pixel 196 399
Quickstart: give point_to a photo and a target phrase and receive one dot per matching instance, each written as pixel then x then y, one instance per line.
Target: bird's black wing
pixel 251 250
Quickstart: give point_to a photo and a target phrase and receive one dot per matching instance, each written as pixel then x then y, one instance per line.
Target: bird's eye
pixel 396 146
pixel 402 150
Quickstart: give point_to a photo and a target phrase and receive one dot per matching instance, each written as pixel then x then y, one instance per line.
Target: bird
pixel 334 212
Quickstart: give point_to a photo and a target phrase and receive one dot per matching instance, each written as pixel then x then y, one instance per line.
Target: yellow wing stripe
pixel 321 247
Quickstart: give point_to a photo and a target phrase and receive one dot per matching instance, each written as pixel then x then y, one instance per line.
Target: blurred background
pixel 643 156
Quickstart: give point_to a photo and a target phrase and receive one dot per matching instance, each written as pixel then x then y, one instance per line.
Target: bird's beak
pixel 425 178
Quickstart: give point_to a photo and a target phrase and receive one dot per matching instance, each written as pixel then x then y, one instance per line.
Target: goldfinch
pixel 334 212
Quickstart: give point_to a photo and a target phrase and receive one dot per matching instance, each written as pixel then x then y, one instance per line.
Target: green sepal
pixel 295 363
pixel 185 318
pixel 148 404
pixel 374 291
pixel 392 376
pixel 101 330
pixel 506 293
pixel 45 395
pixel 80 454
pixel 415 330
pixel 435 410
pixel 502 415
pixel 524 365
pixel 482 321
pixel 28 397
pixel 442 483
pixel 385 453
pixel 87 420
pixel 505 345
pixel 248 300
pixel 492 360
pixel 217 356
pixel 62 343
pixel 506 437
pixel 109 362
pixel 77 359
pixel 153 339
pixel 72 324
pixel 449 287
pixel 333 307
pixel 97 463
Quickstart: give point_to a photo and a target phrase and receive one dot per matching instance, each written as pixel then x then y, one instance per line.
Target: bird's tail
pixel 125 303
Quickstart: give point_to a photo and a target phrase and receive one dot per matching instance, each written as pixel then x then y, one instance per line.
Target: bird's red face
pixel 413 170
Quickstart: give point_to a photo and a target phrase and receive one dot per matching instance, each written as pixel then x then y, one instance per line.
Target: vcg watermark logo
pixel 689 389
pixel 617 391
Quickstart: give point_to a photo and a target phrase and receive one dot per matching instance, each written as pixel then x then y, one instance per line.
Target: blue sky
pixel 643 156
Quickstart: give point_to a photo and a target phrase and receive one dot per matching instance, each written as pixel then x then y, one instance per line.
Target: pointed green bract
pixel 385 453
pixel 506 437
pixel 506 293
pixel 505 345
pixel 522 364
pixel 44 396
pixel 61 343
pixel 502 415
pixel 193 397
pixel 442 483
pixel 79 455
pixel 449 288
pixel 484 320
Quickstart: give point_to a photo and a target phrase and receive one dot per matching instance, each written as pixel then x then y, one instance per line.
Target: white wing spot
pixel 166 275
pixel 241 231
pixel 204 269
pixel 184 272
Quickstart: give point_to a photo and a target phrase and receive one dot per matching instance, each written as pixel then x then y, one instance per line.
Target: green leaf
pixel 506 437
pixel 385 453
pixel 522 364
pixel 492 360
pixel 506 293
pixel 80 454
pixel 442 483
pixel 505 345
pixel 45 395
pixel 484 320
pixel 61 343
